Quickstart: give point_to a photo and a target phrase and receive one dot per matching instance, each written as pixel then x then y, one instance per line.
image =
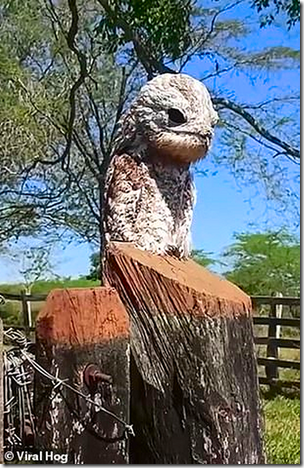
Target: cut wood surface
pixel 194 385
pixel 82 336
pixel 205 293
pixel 82 315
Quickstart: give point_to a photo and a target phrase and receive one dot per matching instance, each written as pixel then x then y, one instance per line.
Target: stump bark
pixel 82 336
pixel 1 394
pixel 194 385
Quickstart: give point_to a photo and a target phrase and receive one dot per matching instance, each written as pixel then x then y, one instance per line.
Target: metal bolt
pixel 93 376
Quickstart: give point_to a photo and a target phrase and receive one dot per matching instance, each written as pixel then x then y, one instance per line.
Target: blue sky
pixel 224 205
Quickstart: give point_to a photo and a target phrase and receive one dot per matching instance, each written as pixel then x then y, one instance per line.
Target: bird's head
pixel 175 118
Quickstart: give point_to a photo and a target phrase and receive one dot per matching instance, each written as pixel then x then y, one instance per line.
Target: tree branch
pixel 81 79
pixel 150 64
pixel 240 110
pixel 204 37
pixel 153 65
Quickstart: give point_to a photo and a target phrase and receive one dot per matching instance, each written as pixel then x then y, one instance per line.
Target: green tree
pixel 270 9
pixel 63 106
pixel 253 143
pixel 94 273
pixel 203 258
pixel 68 69
pixel 265 263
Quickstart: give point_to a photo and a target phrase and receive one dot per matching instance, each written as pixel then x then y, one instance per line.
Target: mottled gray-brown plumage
pixel 149 192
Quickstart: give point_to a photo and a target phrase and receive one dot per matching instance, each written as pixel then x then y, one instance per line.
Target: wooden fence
pixel 95 401
pixel 25 300
pixel 273 341
pixel 274 321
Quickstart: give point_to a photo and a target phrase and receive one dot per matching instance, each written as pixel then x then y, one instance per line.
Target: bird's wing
pixel 122 198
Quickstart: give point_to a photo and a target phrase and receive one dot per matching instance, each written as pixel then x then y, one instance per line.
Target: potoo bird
pixel 150 193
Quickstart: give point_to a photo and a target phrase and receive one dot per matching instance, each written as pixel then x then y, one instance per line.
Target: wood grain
pixel 76 328
pixel 194 385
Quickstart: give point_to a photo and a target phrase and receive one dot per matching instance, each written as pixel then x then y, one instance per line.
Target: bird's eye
pixel 176 116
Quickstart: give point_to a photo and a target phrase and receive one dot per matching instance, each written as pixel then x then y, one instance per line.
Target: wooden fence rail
pixel 18 297
pixel 25 300
pixel 273 341
pixel 279 342
pixel 287 322
pixel 275 300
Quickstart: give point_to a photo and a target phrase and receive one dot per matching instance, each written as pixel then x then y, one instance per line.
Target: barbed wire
pixel 19 426
pixel 19 339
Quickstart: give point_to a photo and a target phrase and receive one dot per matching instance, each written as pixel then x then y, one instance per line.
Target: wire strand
pixel 19 340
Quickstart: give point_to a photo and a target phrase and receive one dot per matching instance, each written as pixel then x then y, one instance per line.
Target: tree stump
pixel 194 384
pixel 1 394
pixel 82 337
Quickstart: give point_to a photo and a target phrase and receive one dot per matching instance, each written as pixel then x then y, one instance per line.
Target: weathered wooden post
pixel 1 394
pixel 26 311
pixel 279 313
pixel 194 385
pixel 271 369
pixel 82 339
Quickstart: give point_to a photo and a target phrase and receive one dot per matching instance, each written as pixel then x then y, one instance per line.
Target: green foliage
pixel 23 38
pixel 35 264
pixel 44 287
pixel 94 273
pixel 265 263
pixel 203 258
pixel 164 27
pixel 282 436
pixel 38 70
pixel 10 313
pixel 272 8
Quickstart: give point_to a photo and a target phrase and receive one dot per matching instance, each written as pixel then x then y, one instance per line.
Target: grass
pixel 43 287
pixel 282 412
pixel 282 431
